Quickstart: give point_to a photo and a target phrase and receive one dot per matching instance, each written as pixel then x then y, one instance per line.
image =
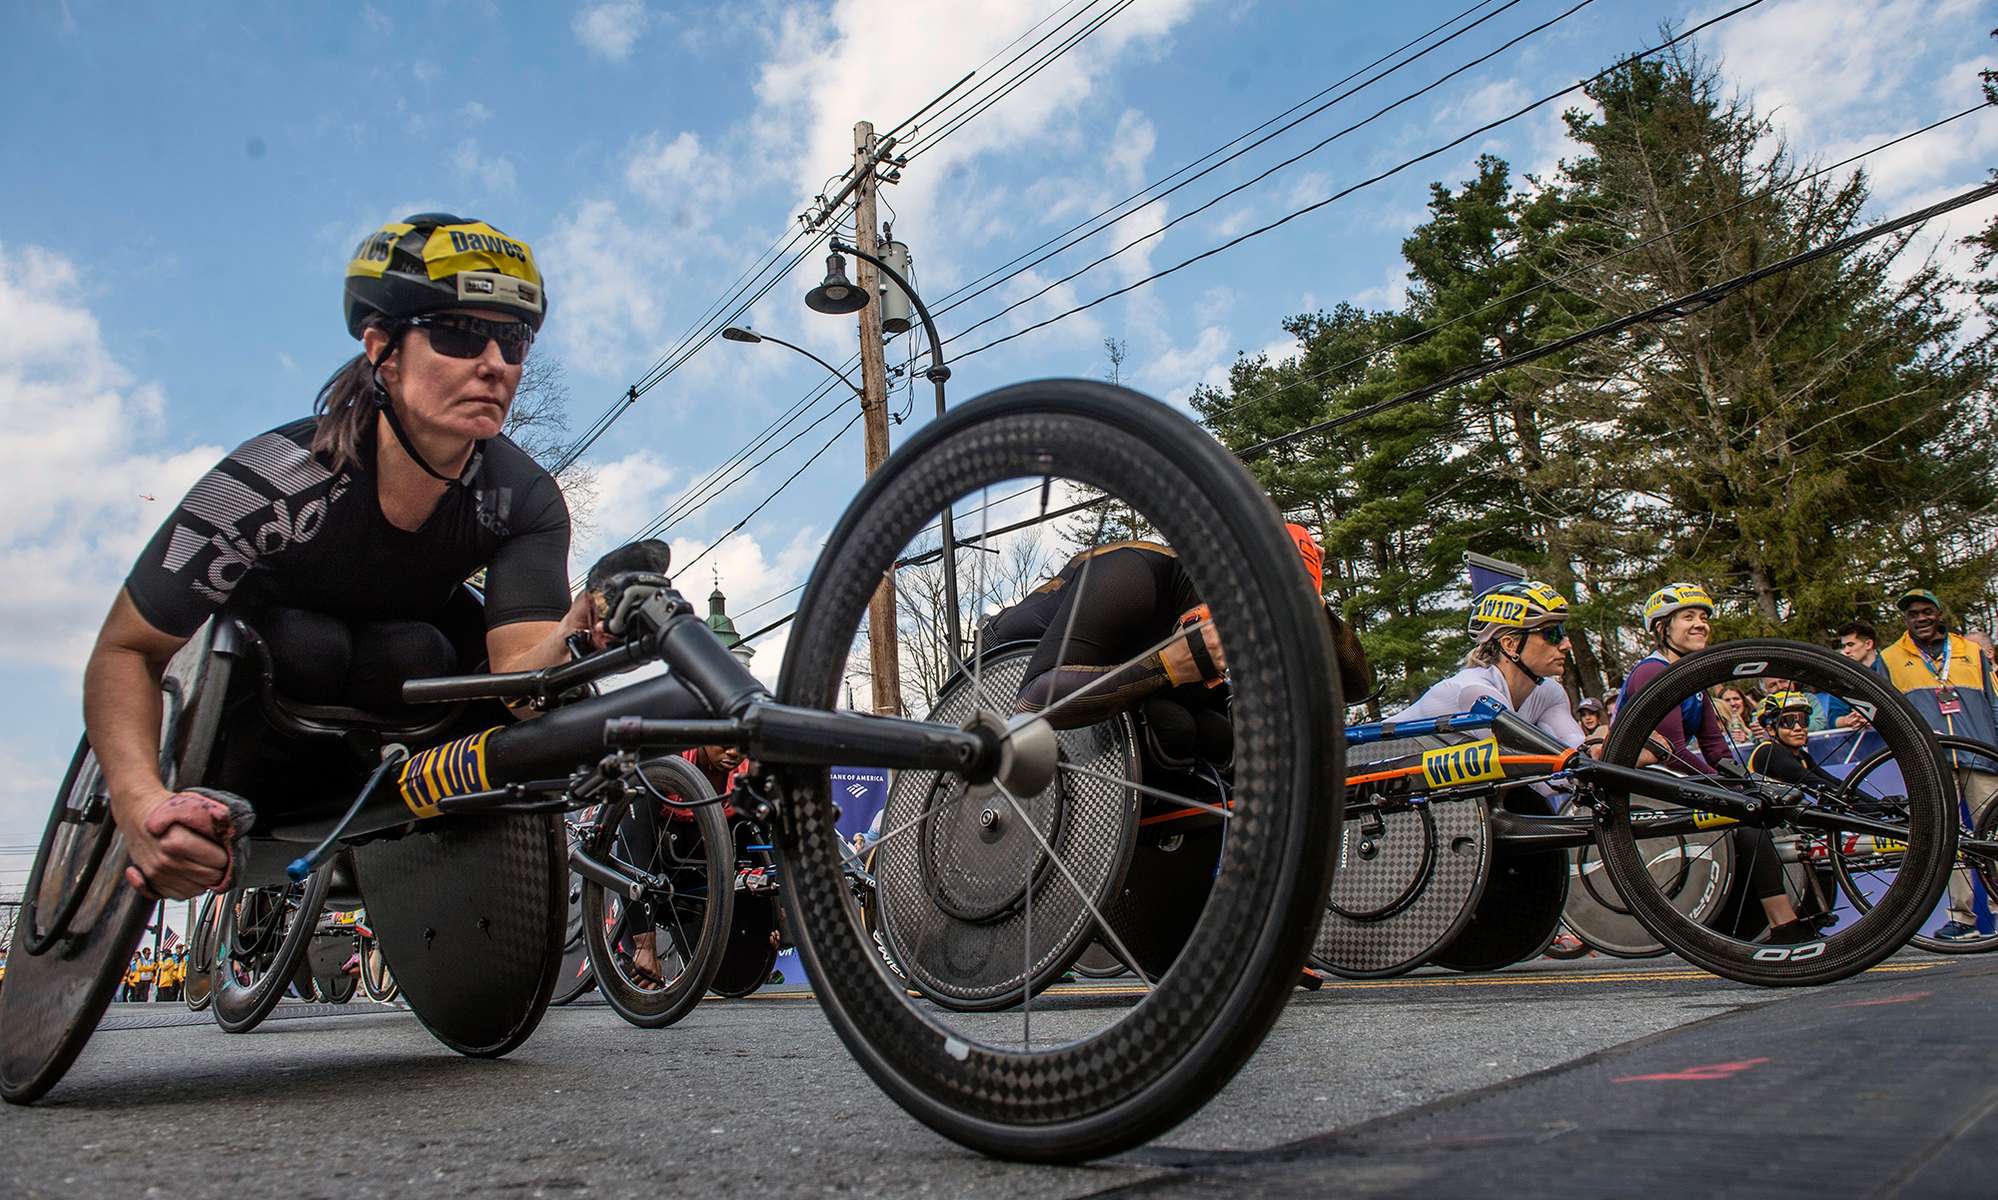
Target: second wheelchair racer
pixel 1518 655
pixel 1097 623
pixel 1679 618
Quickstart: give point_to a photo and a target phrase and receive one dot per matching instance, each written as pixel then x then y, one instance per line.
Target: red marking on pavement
pixel 1903 998
pixel 1710 1071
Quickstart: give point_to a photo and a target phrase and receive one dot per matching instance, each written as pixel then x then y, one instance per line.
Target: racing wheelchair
pixel 460 856
pixel 1677 852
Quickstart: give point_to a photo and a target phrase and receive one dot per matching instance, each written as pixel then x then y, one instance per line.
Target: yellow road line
pixel 1448 981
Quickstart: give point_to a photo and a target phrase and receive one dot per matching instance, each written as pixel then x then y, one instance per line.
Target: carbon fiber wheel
pixel 377 981
pixel 263 946
pixel 1694 870
pixel 199 990
pixel 1804 798
pixel 575 976
pixel 688 913
pixel 79 910
pixel 1033 477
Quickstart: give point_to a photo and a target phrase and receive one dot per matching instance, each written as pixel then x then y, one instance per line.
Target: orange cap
pixel 1308 550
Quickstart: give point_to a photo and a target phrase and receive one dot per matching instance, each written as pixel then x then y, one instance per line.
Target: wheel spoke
pixel 1161 793
pixel 1081 893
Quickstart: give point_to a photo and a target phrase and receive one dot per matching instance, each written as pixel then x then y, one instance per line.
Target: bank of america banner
pixel 861 792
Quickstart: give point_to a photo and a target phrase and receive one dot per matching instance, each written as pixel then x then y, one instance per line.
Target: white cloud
pixel 287 361
pixel 376 20
pixel 609 279
pixel 475 113
pixel 1174 372
pixel 1131 148
pixel 494 172
pixel 827 68
pixel 77 421
pixel 611 29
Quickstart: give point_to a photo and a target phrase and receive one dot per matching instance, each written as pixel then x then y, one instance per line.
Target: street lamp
pixel 736 333
pixel 837 295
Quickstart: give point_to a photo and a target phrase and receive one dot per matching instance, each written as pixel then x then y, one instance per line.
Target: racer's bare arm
pixel 530 645
pixel 122 712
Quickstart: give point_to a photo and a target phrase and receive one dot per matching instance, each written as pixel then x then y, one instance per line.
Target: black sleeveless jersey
pixel 273 520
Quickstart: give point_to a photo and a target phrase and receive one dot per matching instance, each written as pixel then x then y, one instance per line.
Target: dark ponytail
pixel 346 411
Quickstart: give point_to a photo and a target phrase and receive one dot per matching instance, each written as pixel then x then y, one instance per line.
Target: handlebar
pixel 543 684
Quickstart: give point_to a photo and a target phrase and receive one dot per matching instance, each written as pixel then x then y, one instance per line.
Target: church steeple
pixel 722 625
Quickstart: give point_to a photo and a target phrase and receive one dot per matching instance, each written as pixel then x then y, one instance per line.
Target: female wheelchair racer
pixel 457 841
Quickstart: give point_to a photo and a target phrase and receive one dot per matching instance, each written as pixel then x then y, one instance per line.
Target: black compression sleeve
pixel 528 579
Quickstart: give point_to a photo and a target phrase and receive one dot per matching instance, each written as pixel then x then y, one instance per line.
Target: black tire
pixel 53 999
pixel 198 990
pixel 1931 827
pixel 1099 962
pixel 576 975
pixel 1696 871
pixel 1859 861
pixel 1162 1059
pixel 697 857
pixel 377 981
pixel 261 948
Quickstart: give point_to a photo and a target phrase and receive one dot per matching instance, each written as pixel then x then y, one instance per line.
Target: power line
pixel 1586 268
pixel 775 492
pixel 1273 169
pixel 1347 191
pixel 1096 23
pixel 1671 309
pixel 947 116
pixel 707 328
pixel 702 493
pixel 1677 307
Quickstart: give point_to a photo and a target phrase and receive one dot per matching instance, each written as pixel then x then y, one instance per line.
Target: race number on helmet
pixel 1527 604
pixel 433 261
pixel 1673 597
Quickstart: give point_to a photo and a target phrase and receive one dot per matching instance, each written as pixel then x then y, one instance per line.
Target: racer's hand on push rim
pixel 175 841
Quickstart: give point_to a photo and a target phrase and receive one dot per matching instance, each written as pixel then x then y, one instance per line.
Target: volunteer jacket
pixel 1969 671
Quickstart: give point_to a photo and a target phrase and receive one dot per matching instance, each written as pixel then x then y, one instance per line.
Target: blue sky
pixel 183 184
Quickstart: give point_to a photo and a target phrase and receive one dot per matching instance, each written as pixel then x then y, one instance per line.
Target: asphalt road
pixel 758 1098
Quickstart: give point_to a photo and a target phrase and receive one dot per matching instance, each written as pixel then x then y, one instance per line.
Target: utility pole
pixel 885 659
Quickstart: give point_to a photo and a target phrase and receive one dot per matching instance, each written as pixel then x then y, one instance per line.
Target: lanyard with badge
pixel 1947 700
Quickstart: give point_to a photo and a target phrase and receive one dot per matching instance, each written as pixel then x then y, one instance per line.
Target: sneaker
pixel 1956 931
pixel 1792 933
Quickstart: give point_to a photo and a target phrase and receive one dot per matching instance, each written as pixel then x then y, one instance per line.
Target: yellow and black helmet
pixel 433 261
pixel 1528 604
pixel 1781 702
pixel 1673 597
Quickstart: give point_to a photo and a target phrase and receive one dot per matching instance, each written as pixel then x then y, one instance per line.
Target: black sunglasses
pixel 1793 721
pixel 1555 633
pixel 455 335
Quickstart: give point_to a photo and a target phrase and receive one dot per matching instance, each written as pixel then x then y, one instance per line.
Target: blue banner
pixel 861 793
pixel 1487 572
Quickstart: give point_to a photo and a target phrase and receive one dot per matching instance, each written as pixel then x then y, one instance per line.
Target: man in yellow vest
pixel 1949 680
